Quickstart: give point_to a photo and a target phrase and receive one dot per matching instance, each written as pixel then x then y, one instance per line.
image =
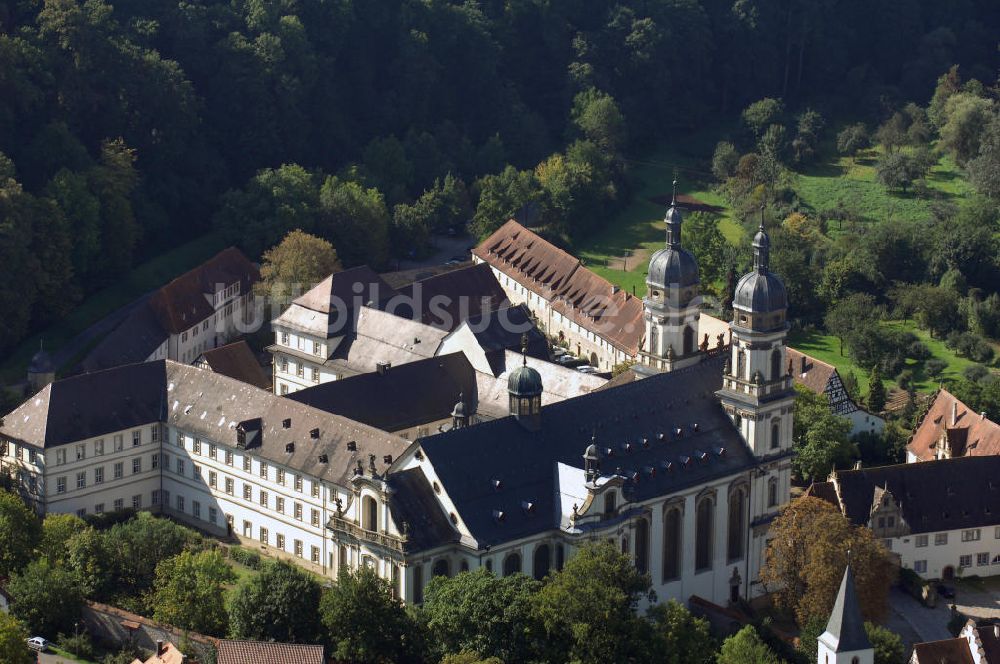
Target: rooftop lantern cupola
pixel 460 414
pixel 524 387
pixel 591 461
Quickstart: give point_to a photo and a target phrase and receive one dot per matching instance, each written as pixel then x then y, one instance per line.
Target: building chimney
pixel 857 465
pixel 982 415
pixel 382 368
pixel 954 412
pixel 802 361
pixel 159 648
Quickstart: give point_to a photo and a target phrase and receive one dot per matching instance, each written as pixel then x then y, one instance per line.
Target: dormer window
pixel 609 504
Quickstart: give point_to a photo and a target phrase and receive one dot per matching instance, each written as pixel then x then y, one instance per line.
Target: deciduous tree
pixel 189 592
pixel 482 613
pixel 746 647
pixel 760 114
pixel 20 532
pixel 364 623
pixel 46 597
pixel 279 604
pixel 13 638
pixel 57 530
pixel 296 264
pixel 805 561
pixel 683 638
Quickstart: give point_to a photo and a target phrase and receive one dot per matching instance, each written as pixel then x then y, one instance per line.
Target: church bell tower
pixel 672 301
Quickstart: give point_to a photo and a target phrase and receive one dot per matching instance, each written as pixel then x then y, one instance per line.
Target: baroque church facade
pixel 682 468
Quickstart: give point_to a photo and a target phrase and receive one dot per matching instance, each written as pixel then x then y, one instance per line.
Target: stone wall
pixel 113 625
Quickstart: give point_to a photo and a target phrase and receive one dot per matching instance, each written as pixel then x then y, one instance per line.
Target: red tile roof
pixel 188 299
pixel 587 299
pixel 809 372
pixel 968 432
pixel 259 652
pixel 947 651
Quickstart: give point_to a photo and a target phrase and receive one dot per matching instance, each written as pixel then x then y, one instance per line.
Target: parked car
pixel 945 591
pixel 558 351
pixel 570 361
pixel 587 369
pixel 39 644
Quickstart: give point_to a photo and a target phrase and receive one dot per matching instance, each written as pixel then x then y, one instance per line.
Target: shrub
pixel 975 373
pixel 77 644
pixel 935 367
pixel 918 350
pixel 245 557
pixel 904 379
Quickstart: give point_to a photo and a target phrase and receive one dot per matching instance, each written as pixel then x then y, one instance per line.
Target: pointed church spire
pixel 761 247
pixel 846 625
pixel 674 221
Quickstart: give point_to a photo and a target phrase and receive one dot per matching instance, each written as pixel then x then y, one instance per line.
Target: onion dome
pixel 672 265
pixel 524 381
pixel 761 291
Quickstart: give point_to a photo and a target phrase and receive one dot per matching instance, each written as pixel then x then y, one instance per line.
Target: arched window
pixel 540 566
pixel 772 492
pixel 625 544
pixel 776 364
pixel 775 434
pixel 672 544
pixel 441 568
pixel 688 340
pixel 609 503
pixel 704 523
pixel 489 566
pixel 512 564
pixel 395 581
pixel 560 556
pixel 642 546
pixel 418 584
pixel 653 338
pixel 342 555
pixel 741 364
pixel 369 514
pixel 737 524
pixel 464 567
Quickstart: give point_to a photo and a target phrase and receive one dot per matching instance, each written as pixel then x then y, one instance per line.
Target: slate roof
pixel 970 434
pixel 846 624
pixel 989 637
pixel 407 395
pixel 237 360
pixel 382 337
pixel 187 299
pixel 330 307
pixel 412 502
pixel 203 404
pixel 260 652
pixel 628 422
pixel 89 405
pixel 134 340
pixel 446 300
pixel 503 330
pixel 574 291
pixel 949 494
pixel 946 651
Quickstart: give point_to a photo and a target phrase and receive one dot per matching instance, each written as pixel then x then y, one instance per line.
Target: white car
pixel 38 643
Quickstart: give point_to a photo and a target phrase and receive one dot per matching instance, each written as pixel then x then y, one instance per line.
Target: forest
pixel 127 127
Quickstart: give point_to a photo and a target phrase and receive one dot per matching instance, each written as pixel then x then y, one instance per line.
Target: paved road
pixel 914 622
pixel 49 658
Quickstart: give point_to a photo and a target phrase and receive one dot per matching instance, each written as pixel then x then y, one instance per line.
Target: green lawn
pixel 826 347
pixel 67 655
pixel 638 230
pixel 142 279
pixel 823 186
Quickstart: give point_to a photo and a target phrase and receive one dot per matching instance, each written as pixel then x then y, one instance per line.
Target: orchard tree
pixel 189 592
pixel 725 159
pixel 597 576
pixel 364 623
pixel 483 613
pixel 967 116
pixel 279 604
pixel 761 114
pixel 805 560
pixel 896 170
pixel 892 134
pixel 856 311
pixel 300 261
pixel 20 532
pixel 851 139
pixel 984 169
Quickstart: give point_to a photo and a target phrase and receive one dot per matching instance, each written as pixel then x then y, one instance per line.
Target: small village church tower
pixel 845 640
pixel 672 301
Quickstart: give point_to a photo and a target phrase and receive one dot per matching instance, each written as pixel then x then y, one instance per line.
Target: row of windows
pixel 983 559
pixel 280 476
pixel 279 542
pixel 941 539
pixel 118 504
pixel 81 450
pixel 300 369
pixel 302 344
pixel 117 473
